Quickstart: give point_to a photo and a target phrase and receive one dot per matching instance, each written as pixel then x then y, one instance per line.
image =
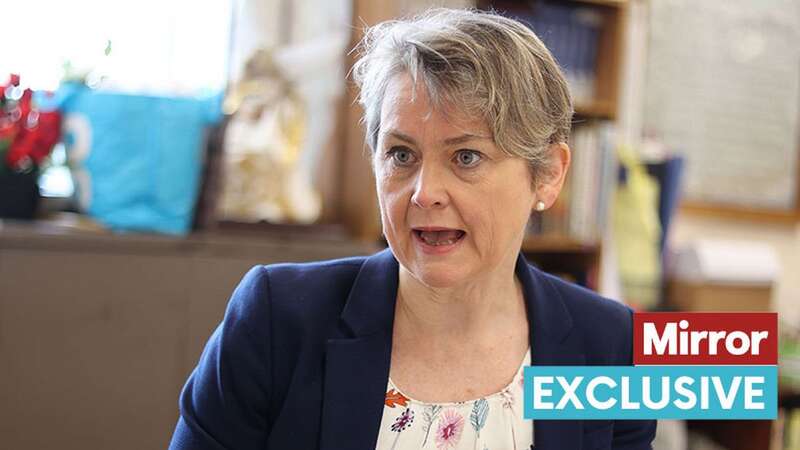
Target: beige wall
pixel 784 238
pixel 414 6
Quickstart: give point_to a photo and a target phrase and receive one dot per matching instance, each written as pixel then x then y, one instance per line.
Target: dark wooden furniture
pixel 98 332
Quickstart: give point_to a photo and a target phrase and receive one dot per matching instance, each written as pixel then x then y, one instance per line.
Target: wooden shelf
pixel 557 244
pixel 596 110
pixel 282 243
pixel 564 256
pixel 740 213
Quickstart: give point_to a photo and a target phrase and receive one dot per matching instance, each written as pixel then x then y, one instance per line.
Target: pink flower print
pixel 403 421
pixel 448 433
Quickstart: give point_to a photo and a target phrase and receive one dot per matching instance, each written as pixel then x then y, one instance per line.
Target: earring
pixel 540 206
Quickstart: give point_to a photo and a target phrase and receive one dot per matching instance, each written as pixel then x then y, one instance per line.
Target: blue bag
pixel 136 159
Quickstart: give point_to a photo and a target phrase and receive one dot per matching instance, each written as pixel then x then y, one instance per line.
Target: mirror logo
pixel 686 366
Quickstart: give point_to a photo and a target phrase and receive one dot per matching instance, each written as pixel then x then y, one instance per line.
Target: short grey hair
pixel 491 66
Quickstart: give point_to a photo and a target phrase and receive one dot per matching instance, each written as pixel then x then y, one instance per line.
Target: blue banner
pixel 651 392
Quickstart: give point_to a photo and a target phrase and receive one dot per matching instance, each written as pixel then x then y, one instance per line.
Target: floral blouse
pixel 491 423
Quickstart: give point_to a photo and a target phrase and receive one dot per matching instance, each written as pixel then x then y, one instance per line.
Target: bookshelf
pixel 567 242
pixel 566 257
pixel 606 18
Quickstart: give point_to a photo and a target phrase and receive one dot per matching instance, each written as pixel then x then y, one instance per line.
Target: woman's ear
pixel 552 180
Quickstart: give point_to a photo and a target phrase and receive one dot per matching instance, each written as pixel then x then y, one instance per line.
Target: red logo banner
pixel 705 338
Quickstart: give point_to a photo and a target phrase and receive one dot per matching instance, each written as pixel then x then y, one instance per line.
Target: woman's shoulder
pixel 297 278
pixel 305 282
pixel 294 296
pixel 580 299
pixel 605 325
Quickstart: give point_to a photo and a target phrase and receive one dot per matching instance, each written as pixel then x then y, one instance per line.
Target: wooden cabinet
pixel 99 332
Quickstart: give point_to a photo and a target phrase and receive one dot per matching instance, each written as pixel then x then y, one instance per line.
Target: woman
pixel 422 345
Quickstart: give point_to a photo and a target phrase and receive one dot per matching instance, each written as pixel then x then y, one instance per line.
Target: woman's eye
pixel 468 158
pixel 401 156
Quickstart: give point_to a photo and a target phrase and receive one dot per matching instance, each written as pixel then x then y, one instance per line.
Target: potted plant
pixel 27 136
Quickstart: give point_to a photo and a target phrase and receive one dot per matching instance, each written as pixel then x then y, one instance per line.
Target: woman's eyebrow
pixel 402 137
pixel 449 141
pixel 463 138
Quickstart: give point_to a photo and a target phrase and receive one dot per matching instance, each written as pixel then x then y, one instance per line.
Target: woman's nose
pixel 429 189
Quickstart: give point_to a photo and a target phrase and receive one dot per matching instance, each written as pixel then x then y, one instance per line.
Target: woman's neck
pixel 483 307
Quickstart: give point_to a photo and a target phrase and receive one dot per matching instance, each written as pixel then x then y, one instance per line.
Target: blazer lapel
pixel 553 343
pixel 357 360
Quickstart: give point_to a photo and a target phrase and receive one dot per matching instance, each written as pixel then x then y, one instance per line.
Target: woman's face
pixel 453 205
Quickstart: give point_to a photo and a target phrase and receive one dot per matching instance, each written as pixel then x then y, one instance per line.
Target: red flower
pixel 8 129
pixel 31 133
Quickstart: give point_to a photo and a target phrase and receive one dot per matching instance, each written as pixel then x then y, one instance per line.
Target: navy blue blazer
pixel 301 359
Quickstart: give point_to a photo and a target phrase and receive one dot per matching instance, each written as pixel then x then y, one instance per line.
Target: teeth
pixel 447 242
pixel 433 237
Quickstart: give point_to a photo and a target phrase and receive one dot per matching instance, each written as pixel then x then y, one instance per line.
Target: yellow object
pixel 637 232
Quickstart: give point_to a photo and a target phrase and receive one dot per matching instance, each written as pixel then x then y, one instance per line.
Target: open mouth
pixel 439 236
